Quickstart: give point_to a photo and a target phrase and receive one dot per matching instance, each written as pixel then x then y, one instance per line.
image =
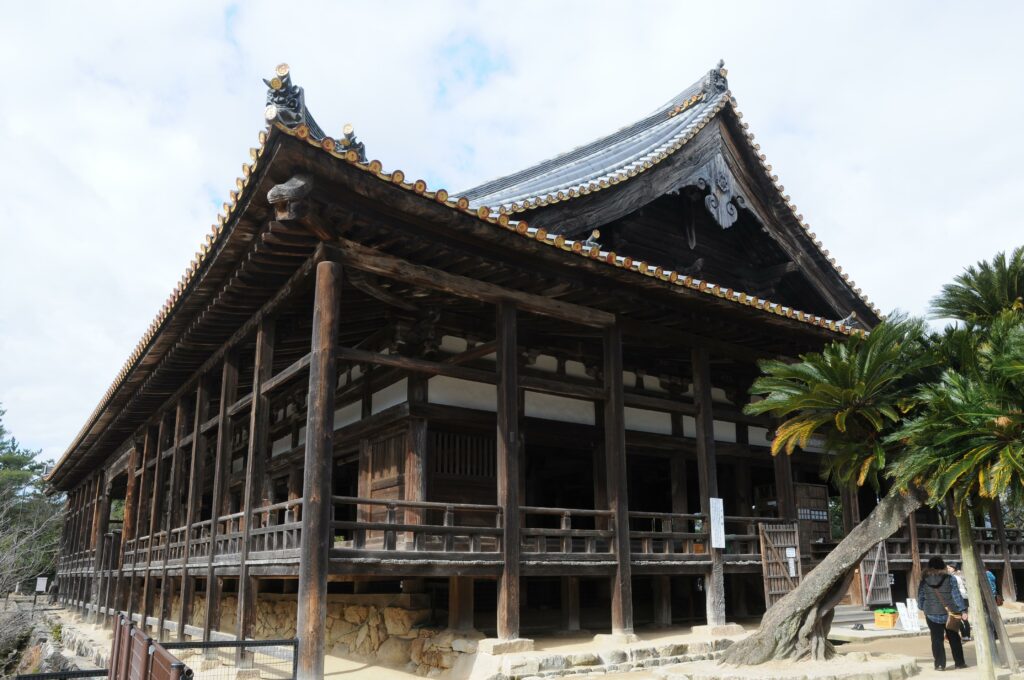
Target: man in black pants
pixel 938 597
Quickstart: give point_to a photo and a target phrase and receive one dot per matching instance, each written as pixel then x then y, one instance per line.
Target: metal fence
pixel 223 659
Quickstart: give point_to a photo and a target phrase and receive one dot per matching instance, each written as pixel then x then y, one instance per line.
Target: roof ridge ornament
pixel 286 106
pixel 715 82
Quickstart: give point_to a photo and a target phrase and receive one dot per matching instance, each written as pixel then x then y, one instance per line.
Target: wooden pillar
pixel 662 585
pixel 784 492
pixel 255 465
pixel 460 603
pixel 744 489
pixel 714 586
pixel 615 466
pixel 102 522
pixel 1009 586
pixel 571 603
pixel 317 509
pixel 415 468
pixel 171 519
pixel 156 503
pixel 508 469
pixel 141 515
pixel 914 578
pixel 196 481
pixel 221 472
pixel 127 531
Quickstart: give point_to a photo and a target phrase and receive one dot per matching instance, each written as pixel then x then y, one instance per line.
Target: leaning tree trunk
pixel 796 627
pixel 974 574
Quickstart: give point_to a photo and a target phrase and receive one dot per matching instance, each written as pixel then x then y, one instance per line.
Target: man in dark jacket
pixel 938 596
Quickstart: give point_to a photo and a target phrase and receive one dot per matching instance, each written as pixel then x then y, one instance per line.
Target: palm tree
pixel 981 293
pixel 853 394
pixel 966 442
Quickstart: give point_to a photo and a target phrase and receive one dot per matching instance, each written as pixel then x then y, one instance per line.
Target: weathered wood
pixel 221 472
pixel 460 603
pixel 156 504
pixel 102 522
pixel 196 481
pixel 714 583
pixel 508 444
pixel 255 465
pixel 143 495
pixel 662 593
pixel 415 465
pixel 570 603
pixel 171 520
pixel 127 531
pixel 615 464
pixel 368 259
pixel 785 492
pixel 317 534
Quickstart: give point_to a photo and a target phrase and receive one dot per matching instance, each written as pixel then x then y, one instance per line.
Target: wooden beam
pixel 615 463
pixel 360 257
pixel 255 466
pixel 317 508
pixel 196 480
pixel 221 472
pixel 708 476
pixel 508 444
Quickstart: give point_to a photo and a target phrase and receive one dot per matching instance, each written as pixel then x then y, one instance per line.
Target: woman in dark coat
pixel 937 596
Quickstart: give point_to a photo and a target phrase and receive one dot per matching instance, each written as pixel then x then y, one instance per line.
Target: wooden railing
pixel 229 534
pixel 176 545
pixel 742 536
pixel 937 540
pixel 987 541
pixel 276 527
pixel 441 527
pixel 562 531
pixel 661 533
pixel 199 541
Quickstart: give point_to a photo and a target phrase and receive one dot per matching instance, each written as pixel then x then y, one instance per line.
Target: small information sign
pixel 717 523
pixel 41 584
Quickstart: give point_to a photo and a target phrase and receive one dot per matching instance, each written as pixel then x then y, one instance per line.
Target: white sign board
pixel 41 584
pixel 717 523
pixel 913 614
pixel 905 623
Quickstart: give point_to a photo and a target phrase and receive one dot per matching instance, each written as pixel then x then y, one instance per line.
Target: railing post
pixel 317 534
pixel 449 521
pixel 389 534
pixel 567 527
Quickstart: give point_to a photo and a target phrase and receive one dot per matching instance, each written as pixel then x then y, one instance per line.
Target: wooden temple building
pixel 518 402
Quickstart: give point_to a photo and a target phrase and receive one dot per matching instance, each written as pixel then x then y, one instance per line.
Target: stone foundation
pixel 853 666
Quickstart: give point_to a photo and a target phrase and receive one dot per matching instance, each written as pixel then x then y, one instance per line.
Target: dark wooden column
pixel 460 603
pixel 714 586
pixel 171 518
pixel 416 450
pixel 784 492
pixel 127 531
pixel 1009 586
pixel 508 469
pixel 102 522
pixel 255 466
pixel 156 503
pixel 570 603
pixel 317 508
pixel 196 481
pixel 615 466
pixel 221 472
pixel 141 521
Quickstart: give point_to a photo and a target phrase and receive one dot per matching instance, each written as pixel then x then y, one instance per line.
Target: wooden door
pixel 874 573
pixel 780 560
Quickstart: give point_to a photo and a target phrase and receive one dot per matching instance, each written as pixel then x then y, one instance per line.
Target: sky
pixel 895 127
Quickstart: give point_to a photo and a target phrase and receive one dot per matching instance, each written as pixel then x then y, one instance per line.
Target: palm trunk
pixel 973 576
pixel 796 627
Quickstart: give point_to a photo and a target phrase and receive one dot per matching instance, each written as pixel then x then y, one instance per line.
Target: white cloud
pixel 893 126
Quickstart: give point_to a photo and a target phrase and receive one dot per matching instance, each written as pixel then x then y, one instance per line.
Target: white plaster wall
pixel 552 407
pixel 392 395
pixel 463 393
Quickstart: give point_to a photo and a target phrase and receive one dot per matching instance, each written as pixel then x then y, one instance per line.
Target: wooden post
pixel 127 530
pixel 615 466
pixel 508 469
pixel 460 603
pixel 221 472
pixel 156 502
pixel 317 508
pixel 196 480
pixel 571 603
pixel 784 491
pixel 714 586
pixel 416 451
pixel 1009 586
pixel 140 518
pixel 99 531
pixel 662 585
pixel 744 489
pixel 171 520
pixel 255 464
pixel 914 579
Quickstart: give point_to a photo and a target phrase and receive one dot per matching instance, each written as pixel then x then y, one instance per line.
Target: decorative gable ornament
pixel 723 198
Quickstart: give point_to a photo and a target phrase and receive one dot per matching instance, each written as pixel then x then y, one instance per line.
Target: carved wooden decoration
pixel 723 198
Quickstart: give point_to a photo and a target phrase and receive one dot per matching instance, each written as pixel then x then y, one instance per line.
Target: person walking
pixel 961 584
pixel 938 596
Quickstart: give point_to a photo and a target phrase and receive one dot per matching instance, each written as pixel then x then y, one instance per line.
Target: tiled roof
pixel 286 111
